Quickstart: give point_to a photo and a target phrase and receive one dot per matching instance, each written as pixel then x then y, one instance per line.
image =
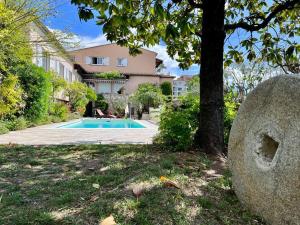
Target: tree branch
pixel 194 4
pixel 290 4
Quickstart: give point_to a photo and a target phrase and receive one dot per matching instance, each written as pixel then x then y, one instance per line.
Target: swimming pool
pixel 103 123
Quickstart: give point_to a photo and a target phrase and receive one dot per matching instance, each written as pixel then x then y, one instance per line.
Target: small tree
pixel 101 103
pixel 166 88
pixel 79 96
pixel 147 95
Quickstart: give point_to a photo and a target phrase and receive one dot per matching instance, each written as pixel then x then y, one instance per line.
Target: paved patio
pixel 50 135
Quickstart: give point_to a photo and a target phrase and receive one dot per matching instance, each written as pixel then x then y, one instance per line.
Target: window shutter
pixel 106 61
pixel 88 60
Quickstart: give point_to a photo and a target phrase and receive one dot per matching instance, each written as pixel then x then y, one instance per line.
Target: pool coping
pixel 145 123
pixel 51 135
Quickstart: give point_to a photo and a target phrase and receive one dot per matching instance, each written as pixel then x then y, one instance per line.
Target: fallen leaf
pixel 108 221
pixel 168 183
pixel 137 191
pixel 97 186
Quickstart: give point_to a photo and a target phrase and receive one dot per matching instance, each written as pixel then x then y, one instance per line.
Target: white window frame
pixel 100 61
pixel 122 62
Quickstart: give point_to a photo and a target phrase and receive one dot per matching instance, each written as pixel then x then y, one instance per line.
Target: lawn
pixel 87 183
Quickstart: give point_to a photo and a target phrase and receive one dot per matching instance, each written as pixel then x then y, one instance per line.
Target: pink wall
pixel 142 64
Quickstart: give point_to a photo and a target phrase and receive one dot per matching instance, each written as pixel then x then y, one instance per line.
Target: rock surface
pixel 264 151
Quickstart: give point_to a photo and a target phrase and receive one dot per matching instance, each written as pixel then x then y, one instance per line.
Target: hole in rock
pixel 268 148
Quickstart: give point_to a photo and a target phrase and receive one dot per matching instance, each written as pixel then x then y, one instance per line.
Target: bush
pixel 59 112
pixel 166 88
pixel 37 87
pixel 3 128
pixel 178 124
pixel 19 123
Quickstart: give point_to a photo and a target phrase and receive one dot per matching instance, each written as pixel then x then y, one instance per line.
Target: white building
pixel 51 55
pixel 180 85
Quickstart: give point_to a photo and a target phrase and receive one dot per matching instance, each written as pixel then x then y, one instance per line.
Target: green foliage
pixel 179 123
pixel 37 86
pixel 111 75
pixel 3 128
pixel 166 88
pixel 58 84
pixel 230 112
pixel 59 112
pixel 18 123
pixel 79 96
pixel 119 106
pixel 178 24
pixel 193 85
pixel 147 95
pixel 10 95
pixel 101 103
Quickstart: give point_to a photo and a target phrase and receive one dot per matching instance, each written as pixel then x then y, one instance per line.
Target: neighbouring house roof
pixel 95 46
pixel 184 78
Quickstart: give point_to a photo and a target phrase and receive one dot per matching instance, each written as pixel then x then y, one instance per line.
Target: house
pixel 51 55
pixel 180 85
pixel 112 57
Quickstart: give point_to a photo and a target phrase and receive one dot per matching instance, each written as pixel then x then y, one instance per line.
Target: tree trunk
pixel 210 135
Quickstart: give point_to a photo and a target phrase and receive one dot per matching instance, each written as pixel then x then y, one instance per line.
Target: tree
pixel 195 31
pixel 10 95
pixel 166 88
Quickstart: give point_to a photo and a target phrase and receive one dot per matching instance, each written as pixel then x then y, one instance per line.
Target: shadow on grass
pixel 84 184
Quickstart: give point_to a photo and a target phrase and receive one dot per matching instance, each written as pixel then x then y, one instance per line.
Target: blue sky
pixel 66 19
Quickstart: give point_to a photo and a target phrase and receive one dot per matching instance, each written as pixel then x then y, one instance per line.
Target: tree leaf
pixel 108 221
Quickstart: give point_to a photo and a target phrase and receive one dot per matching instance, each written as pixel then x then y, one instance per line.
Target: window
pixel 61 69
pixel 70 76
pixel 97 61
pixel 46 61
pixel 122 62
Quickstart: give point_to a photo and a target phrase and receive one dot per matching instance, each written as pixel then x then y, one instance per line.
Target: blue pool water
pixel 104 123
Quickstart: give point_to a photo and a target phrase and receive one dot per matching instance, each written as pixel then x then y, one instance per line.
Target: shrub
pixel 166 88
pixel 37 87
pixel 3 128
pixel 59 112
pixel 179 123
pixel 19 123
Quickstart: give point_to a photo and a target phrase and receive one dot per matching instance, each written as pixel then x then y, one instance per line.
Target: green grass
pixel 85 184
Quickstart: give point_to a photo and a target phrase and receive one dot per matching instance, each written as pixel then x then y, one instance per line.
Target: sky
pixel 66 19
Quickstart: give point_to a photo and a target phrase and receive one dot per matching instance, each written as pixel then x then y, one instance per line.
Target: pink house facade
pixel 111 57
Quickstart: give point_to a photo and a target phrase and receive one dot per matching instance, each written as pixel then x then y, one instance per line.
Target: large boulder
pixel 264 150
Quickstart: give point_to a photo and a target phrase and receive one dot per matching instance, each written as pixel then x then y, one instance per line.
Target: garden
pixel 183 177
